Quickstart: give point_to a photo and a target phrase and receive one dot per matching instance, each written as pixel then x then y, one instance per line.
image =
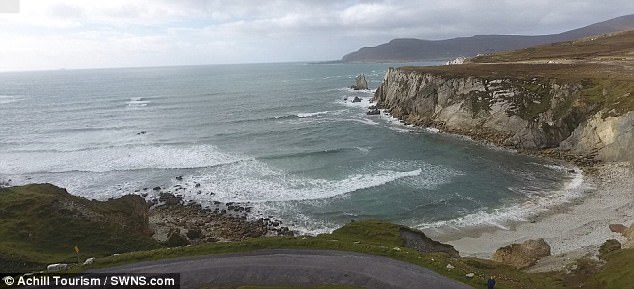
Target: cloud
pixel 74 33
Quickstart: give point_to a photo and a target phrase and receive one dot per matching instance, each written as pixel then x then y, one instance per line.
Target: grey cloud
pixel 226 31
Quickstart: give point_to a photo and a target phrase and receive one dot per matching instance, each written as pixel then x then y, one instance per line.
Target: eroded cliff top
pixel 603 64
pixel 575 71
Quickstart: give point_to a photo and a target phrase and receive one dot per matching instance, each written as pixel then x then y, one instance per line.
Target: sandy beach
pixel 572 231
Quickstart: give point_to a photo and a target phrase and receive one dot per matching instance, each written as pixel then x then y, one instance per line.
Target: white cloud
pixel 75 33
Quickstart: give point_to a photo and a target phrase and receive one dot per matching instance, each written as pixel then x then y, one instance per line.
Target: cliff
pixel 587 117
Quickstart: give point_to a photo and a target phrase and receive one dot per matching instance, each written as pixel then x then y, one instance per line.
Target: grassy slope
pixel 618 273
pixel 371 237
pixel 42 224
pixel 614 46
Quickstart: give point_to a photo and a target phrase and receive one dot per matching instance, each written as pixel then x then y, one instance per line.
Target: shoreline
pixel 574 230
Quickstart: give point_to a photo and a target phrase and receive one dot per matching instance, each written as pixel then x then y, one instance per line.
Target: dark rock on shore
pixel 220 221
pixel 373 112
pixel 609 246
pixel 421 243
pixel 356 99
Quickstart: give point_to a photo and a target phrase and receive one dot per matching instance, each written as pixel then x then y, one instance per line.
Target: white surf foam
pixel 137 102
pixel 115 158
pixel 255 181
pixel 310 114
pixel 363 121
pixel 6 99
pixel 363 104
pixel 502 217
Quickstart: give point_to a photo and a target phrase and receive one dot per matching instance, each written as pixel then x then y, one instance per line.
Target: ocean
pixel 283 138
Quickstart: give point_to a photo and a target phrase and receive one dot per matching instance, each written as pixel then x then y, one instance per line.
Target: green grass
pixel 618 273
pixel 41 224
pixel 370 237
pixel 615 46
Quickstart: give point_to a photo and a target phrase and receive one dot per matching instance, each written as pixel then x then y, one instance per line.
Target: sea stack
pixel 361 83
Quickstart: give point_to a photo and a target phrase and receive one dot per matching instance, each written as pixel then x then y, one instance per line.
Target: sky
pixel 53 34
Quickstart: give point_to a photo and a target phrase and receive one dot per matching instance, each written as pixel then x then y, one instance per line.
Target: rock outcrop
pixel 522 255
pixel 421 243
pixel 525 113
pixel 360 83
pixel 609 246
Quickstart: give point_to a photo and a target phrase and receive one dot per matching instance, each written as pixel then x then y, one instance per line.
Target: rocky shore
pixel 177 222
pixel 48 223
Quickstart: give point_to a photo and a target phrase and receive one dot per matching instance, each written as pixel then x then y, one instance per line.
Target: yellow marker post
pixel 77 252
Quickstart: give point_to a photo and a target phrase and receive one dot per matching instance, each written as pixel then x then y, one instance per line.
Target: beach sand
pixel 574 230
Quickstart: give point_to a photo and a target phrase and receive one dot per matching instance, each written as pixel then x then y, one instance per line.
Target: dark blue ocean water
pixel 279 136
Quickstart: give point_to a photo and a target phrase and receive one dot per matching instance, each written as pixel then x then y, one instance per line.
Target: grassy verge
pixel 618 273
pixel 370 237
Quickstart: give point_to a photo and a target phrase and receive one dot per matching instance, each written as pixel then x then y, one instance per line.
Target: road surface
pixel 295 267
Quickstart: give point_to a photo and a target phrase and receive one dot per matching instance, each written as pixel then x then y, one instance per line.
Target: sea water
pixel 284 138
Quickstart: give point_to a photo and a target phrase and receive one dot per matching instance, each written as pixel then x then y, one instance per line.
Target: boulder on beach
pixel 522 255
pixel 618 228
pixel 360 83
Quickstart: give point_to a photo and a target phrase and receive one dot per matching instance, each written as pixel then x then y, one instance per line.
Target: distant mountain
pixel 410 49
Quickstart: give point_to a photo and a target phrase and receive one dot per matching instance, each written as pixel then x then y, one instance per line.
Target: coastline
pixel 573 230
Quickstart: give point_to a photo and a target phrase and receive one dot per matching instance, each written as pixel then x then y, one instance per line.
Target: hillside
pixel 404 50
pixel 41 224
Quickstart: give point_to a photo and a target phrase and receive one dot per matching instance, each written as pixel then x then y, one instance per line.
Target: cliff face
pixel 535 113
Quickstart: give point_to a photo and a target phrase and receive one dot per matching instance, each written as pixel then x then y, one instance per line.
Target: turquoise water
pixel 279 136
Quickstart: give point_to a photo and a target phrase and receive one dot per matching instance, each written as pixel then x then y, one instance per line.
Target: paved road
pixel 296 267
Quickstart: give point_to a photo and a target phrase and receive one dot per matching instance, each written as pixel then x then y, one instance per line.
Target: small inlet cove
pixel 288 141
